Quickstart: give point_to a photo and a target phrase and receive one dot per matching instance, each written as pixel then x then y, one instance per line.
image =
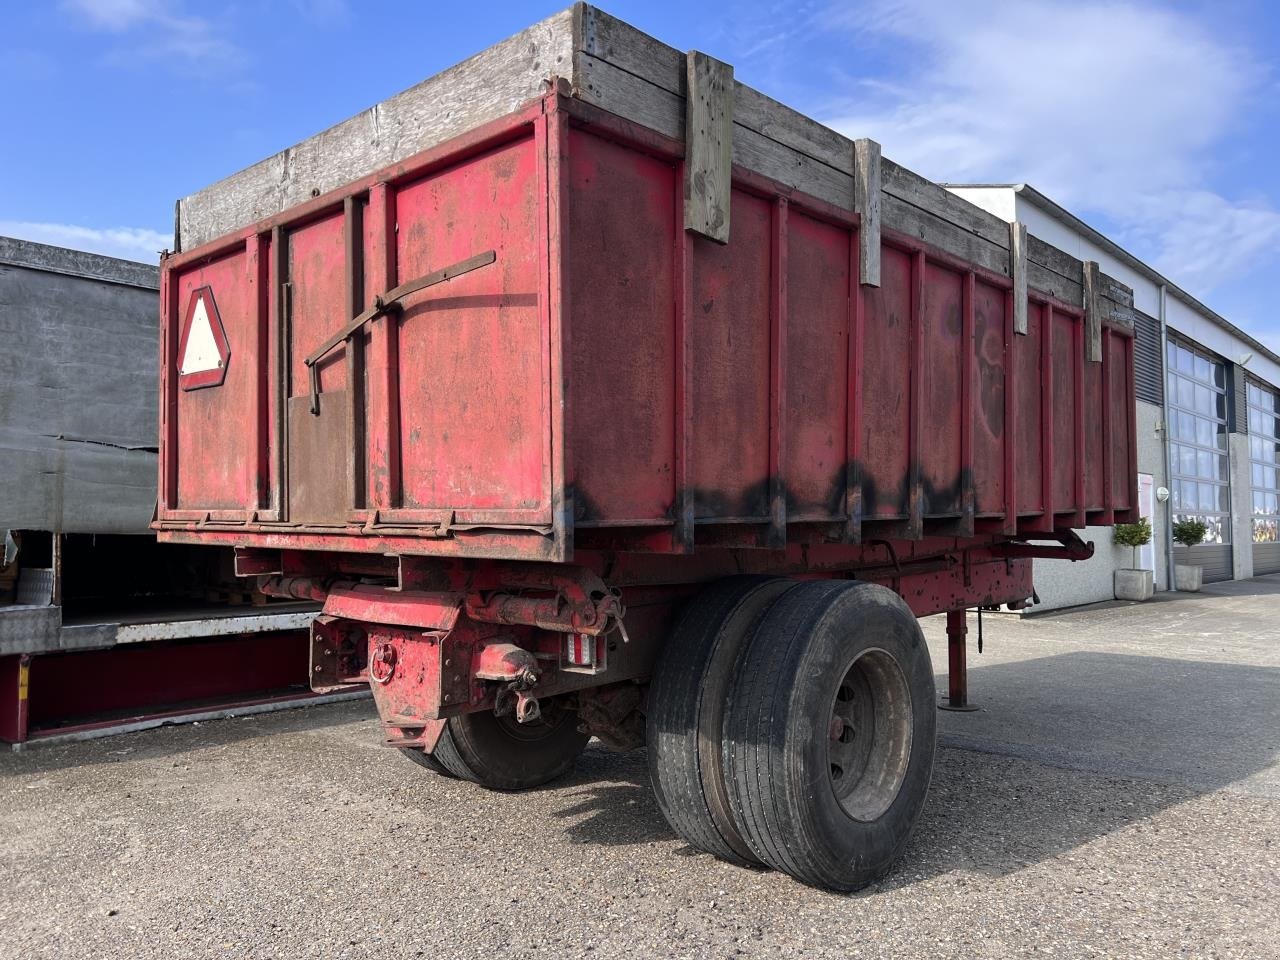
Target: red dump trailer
pixel 615 399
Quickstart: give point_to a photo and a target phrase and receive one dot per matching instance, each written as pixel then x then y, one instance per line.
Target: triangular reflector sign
pixel 202 351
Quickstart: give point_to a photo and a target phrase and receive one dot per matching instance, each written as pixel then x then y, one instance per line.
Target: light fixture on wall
pixel 1162 494
pixel 1244 361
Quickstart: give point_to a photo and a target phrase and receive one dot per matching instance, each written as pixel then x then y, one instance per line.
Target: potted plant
pixel 1189 576
pixel 1133 583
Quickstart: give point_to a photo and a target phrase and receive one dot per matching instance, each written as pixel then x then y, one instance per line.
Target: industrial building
pixel 1208 413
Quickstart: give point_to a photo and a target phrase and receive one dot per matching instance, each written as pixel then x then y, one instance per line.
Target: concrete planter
pixel 1187 577
pixel 1134 585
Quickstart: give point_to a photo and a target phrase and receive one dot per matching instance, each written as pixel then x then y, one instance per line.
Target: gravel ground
pixel 1117 796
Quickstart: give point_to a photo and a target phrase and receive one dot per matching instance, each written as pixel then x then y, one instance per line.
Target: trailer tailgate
pixel 432 417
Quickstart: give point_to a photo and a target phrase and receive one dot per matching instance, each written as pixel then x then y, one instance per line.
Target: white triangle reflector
pixel 201 353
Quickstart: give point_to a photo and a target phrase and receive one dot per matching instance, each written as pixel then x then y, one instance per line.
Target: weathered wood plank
pixel 482 88
pixel 1053 259
pixel 1053 284
pixel 617 42
pixel 918 191
pixel 866 201
pixel 1092 312
pixel 1018 261
pixel 708 161
pixel 943 234
pixel 607 86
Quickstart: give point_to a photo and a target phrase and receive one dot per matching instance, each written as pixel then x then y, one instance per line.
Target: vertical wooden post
pixel 1092 312
pixel 708 146
pixel 1018 270
pixel 866 202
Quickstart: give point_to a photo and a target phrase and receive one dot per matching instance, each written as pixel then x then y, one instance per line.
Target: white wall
pixel 1061 583
pixel 998 201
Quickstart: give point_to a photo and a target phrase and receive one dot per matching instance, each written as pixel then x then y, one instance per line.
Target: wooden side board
pixel 618 68
pixel 627 72
pixel 485 87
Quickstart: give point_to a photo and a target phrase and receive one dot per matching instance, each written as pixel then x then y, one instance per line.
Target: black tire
pixel 501 754
pixel 685 712
pixel 829 733
pixel 424 759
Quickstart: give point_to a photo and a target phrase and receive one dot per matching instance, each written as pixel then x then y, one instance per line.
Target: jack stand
pixel 957 698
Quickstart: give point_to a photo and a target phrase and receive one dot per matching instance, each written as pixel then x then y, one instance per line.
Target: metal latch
pixel 388 303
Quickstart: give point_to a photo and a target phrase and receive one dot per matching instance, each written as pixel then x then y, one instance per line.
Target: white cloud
pixel 159 30
pixel 128 243
pixel 1108 107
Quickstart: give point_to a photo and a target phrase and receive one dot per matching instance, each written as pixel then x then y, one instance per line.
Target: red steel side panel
pixel 886 387
pixel 1093 493
pixel 621 384
pixel 815 383
pixel 216 459
pixel 1118 355
pixel 1027 403
pixel 729 327
pixel 146 677
pixel 1063 351
pixel 943 359
pixel 989 433
pixel 317 273
pixel 472 397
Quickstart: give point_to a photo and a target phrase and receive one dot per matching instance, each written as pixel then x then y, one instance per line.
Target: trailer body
pixel 507 403
pixel 611 379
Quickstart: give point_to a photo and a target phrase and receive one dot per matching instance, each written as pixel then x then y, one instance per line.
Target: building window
pixel 1264 461
pixel 1198 440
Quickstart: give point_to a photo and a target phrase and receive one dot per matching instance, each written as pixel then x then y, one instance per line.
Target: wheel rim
pixel 551 720
pixel 869 735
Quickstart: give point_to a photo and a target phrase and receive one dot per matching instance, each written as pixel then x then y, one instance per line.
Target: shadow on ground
pixel 1066 749
pixel 1048 765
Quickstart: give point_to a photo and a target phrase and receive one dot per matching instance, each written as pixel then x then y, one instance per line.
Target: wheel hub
pixel 869 735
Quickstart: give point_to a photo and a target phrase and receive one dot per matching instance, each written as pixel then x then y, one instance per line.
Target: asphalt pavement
pixel 1118 795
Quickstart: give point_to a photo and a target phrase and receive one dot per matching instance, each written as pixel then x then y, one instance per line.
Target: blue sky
pixel 1158 122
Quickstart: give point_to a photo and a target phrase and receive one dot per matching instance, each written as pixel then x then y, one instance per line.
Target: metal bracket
pixel 388 303
pixel 1071 548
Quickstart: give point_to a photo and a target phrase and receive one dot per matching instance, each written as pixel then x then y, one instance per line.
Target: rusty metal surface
pixel 320 485
pixel 611 383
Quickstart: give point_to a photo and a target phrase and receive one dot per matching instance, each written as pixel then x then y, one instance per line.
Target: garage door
pixel 1215 558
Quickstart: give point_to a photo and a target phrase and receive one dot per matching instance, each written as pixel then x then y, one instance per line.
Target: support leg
pixel 957 670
